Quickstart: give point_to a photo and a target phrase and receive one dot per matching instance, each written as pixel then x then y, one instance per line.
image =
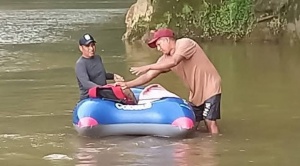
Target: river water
pixel 38 90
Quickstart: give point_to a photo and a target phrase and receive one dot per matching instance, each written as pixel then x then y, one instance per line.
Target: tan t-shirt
pixel 196 70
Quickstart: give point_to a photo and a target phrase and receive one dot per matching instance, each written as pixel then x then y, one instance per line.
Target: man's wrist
pixel 127 84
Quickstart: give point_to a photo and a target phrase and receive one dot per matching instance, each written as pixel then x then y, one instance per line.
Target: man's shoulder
pixel 185 42
pixel 185 39
pixel 84 60
pixel 80 60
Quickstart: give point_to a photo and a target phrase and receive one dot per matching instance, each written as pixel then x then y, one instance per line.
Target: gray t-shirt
pixel 90 72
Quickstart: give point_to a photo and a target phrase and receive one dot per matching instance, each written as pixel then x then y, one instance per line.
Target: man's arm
pixel 83 77
pixel 144 69
pixel 167 64
pixel 109 76
pixel 163 65
pixel 185 48
pixel 143 79
pixel 115 77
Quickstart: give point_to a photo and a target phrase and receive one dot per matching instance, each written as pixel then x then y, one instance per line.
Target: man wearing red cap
pixel 187 59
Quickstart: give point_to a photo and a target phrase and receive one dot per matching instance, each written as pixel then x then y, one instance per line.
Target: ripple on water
pixel 47 26
pixel 57 157
pixel 15 61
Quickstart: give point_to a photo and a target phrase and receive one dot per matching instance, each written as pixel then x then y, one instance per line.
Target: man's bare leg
pixel 212 126
pixel 201 127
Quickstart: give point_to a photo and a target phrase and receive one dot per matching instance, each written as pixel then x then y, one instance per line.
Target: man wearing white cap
pixel 89 69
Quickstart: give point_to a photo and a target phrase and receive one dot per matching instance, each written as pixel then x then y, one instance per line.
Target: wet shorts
pixel 210 109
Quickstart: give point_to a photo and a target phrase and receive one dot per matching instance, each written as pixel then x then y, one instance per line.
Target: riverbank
pixel 215 20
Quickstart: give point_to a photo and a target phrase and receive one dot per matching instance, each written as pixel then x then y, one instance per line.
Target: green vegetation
pixel 216 19
pixel 231 19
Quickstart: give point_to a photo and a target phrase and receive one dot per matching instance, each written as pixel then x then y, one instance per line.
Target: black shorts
pixel 210 109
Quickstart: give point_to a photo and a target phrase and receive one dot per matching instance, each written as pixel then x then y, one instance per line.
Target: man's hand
pixel 139 70
pixel 122 84
pixel 118 78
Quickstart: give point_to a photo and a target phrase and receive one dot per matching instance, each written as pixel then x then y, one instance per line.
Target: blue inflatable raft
pixel 166 117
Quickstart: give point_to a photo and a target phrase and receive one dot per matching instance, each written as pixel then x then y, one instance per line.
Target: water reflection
pixel 138 54
pixel 43 26
pixel 146 151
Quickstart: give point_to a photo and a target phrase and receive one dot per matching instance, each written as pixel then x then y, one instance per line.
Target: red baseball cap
pixel 163 32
